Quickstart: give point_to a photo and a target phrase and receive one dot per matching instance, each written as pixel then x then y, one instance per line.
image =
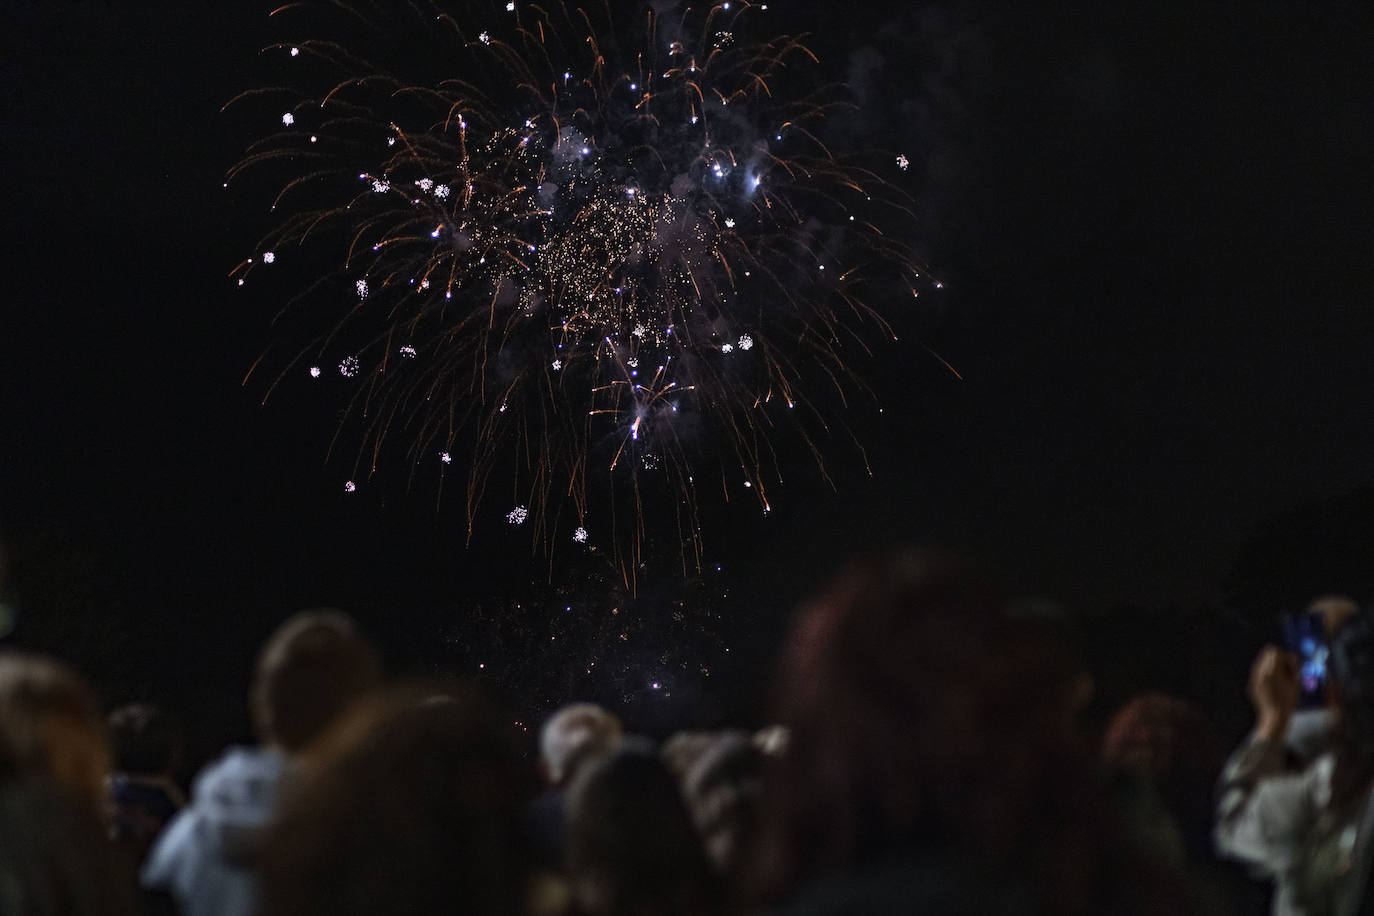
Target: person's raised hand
pixel 1274 691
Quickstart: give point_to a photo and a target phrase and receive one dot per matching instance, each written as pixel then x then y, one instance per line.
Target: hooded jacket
pixel 206 858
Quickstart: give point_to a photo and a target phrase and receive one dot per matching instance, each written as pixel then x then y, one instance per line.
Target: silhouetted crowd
pixel 925 756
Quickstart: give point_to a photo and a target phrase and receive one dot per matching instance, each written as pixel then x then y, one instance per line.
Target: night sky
pixel 1153 227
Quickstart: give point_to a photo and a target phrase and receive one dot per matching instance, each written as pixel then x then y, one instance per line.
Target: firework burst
pixel 605 259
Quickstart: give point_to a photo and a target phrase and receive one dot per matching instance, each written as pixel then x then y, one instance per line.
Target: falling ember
pixel 559 247
pixel 350 487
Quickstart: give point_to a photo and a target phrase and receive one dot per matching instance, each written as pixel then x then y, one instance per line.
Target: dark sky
pixel 1154 224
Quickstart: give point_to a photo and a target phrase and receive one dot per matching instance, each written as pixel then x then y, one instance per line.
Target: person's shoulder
pixel 237 763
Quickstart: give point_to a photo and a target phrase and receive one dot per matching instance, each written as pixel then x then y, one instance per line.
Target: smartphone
pixel 1305 637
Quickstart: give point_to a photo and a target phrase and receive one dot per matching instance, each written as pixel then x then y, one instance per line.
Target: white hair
pixel 575 733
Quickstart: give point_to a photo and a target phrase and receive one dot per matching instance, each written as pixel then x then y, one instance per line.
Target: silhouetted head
pixel 1335 610
pixel 410 805
pixel 722 788
pixel 1171 743
pixel 311 670
pixel 50 726
pixel 632 848
pixel 573 735
pixel 1352 676
pixel 145 740
pixel 923 720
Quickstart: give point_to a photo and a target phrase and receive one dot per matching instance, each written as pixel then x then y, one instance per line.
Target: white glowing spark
pixel 314 371
pixel 580 535
pixel 314 139
pixel 424 284
pixel 241 281
pixel 903 162
pixel 503 408
pixel 390 141
pixel 441 191
pixel 408 351
pixel 748 484
pixel 640 330
pixel 425 184
pixel 510 7
pixel 349 366
pixel 727 348
pixel 361 287
pixel 557 364
pixel 350 487
pixel 380 186
pixel 445 457
pixel 632 362
pixel 746 342
pixel 268 257
pixel 295 52
pixel 517 515
pixel 484 38
pixel 729 223
pixel 288 119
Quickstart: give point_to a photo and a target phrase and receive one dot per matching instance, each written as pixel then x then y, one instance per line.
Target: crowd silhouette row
pixel 925 755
